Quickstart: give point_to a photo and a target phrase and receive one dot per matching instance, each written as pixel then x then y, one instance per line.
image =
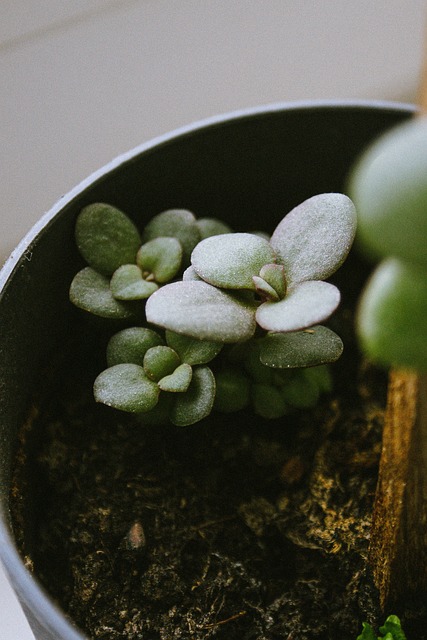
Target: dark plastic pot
pixel 247 167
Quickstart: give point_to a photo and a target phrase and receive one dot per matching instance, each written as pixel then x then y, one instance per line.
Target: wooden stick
pixel 398 547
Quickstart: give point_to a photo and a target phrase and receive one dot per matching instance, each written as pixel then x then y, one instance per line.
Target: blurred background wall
pixel 84 80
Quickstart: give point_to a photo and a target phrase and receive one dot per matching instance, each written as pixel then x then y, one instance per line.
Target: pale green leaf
pixel 211 227
pixel 126 387
pixel 232 391
pixel 91 292
pixel 392 315
pixel 160 361
pixel 106 237
pixel 190 274
pixel 127 283
pixel 197 402
pixel 389 188
pixel 178 381
pixel 131 345
pixel 175 223
pixel 268 401
pixel 193 351
pixel 314 239
pixel 275 275
pixel 306 304
pixel 265 290
pixel 201 311
pixel 308 348
pixel 160 257
pixel 230 260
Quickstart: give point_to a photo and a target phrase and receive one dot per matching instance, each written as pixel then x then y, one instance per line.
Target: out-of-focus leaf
pixel 392 315
pixel 191 350
pixel 175 223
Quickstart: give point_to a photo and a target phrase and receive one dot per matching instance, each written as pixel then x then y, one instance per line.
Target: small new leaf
pixel 176 223
pixel 127 283
pixel 178 381
pixel 161 258
pixel 160 361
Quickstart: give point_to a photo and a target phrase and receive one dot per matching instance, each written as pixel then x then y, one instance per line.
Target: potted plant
pixel 247 169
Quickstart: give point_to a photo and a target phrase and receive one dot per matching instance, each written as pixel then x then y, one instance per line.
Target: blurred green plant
pixel 391 630
pixel 389 188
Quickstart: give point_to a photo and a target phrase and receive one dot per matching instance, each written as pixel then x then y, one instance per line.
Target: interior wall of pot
pixel 248 170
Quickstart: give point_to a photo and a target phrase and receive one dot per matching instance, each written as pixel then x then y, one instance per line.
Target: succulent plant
pixel 248 305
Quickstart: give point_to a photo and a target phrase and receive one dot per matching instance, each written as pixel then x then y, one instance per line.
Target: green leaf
pixel 178 381
pixel 306 304
pixel 126 387
pixel 230 260
pixel 201 311
pixel 265 290
pixel 197 402
pixel 127 283
pixel 301 391
pixel 275 275
pixel 268 401
pixel 160 361
pixel 389 188
pixel 392 314
pixel 131 345
pixel 175 223
pixel 160 257
pixel 190 274
pixel 91 292
pixel 314 239
pixel 367 632
pixel 191 350
pixel 314 346
pixel 106 237
pixel 393 628
pixel 232 391
pixel 211 227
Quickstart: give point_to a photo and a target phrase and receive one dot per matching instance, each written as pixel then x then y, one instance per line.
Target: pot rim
pixel 31 593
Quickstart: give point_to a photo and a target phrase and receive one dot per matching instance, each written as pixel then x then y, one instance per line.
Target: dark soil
pixel 235 528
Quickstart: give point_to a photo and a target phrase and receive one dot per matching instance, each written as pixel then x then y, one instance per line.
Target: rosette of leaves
pixel 160 378
pixel 240 283
pixel 243 380
pixel 125 267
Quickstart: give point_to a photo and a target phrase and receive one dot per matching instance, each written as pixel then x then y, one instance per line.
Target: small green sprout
pixel 391 630
pixel 248 306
